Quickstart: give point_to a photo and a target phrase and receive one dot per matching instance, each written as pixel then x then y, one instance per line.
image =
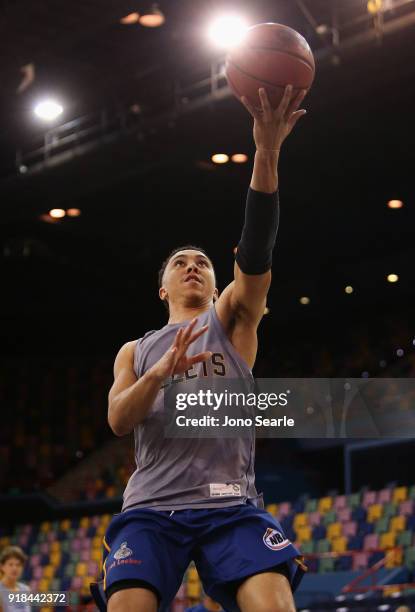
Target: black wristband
pixel 254 254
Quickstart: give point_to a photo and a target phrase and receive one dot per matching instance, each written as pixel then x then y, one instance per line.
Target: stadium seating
pixel 66 554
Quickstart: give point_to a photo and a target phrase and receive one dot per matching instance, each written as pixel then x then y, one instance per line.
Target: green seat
pixel 65 546
pixel 382 525
pixel 323 546
pixel 311 505
pixel 41 537
pixel 326 565
pixel 75 556
pixel 389 510
pixel 404 538
pixel 410 557
pixel 329 517
pixel 34 549
pixel 74 598
pixel 411 493
pixel 353 500
pixel 307 548
pixel 55 584
pixel 70 570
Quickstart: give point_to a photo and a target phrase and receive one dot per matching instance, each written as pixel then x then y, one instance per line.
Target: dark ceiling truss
pixel 337 31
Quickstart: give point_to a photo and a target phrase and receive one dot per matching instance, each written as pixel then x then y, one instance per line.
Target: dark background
pixel 79 288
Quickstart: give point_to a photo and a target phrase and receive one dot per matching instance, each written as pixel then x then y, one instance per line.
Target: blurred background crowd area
pixel 55 415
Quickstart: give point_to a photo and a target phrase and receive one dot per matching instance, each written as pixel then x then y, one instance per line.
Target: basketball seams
pixel 285 52
pixel 255 78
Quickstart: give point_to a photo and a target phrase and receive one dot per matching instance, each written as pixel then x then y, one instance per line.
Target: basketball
pixel 271 56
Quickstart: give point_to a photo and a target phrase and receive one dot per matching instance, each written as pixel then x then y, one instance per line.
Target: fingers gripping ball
pixel 271 56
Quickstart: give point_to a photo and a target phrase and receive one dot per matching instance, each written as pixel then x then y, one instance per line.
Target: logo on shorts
pixel 123 552
pixel 275 540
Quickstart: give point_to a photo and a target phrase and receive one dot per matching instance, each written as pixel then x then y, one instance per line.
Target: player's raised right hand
pixel 176 360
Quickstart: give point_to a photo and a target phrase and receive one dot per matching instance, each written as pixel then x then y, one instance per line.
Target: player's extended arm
pixel 254 254
pixel 130 399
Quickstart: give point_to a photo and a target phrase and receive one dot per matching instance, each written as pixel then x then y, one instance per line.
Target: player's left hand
pixel 273 125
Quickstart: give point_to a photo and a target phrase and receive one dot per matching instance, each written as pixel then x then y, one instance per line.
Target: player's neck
pixel 9 583
pixel 181 313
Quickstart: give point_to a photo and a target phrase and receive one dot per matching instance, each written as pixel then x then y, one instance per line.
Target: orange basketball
pixel 272 56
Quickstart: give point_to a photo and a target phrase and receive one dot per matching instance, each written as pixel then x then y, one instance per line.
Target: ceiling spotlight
pixel 220 158
pixel 130 19
pixel 73 212
pixel 374 6
pixel 239 158
pixel 152 18
pixel 348 289
pixel 392 278
pixel 48 110
pixel 304 300
pixel 395 203
pixel 227 31
pixel 57 213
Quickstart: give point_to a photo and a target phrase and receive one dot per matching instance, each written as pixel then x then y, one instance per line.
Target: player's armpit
pixel 244 299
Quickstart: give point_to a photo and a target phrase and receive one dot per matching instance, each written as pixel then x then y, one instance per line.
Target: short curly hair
pixel 12 552
pixel 186 247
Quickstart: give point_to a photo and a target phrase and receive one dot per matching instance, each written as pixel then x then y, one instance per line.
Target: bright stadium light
pixel 227 31
pixel 48 110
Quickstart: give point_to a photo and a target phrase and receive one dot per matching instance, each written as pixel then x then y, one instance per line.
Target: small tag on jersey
pixel 225 490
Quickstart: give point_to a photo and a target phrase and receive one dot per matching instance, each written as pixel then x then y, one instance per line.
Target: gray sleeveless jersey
pixel 176 474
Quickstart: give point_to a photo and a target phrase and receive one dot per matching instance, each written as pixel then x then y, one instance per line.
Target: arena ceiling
pixel 149 185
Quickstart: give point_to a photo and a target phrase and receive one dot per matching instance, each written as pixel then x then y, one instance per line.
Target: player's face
pixel 189 275
pixel 12 568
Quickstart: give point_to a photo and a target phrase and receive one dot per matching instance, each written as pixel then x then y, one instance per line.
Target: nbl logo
pixel 275 540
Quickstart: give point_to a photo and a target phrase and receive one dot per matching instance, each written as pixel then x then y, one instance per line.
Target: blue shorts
pixel 226 544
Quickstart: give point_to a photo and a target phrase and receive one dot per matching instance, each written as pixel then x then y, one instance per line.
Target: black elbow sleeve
pixel 254 254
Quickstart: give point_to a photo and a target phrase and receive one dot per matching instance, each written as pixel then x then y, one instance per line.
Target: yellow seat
pixel 65 525
pixel 105 519
pixel 43 584
pixel 400 494
pixel 101 529
pixel 325 504
pixel 4 542
pixel 339 544
pixel 86 582
pixel 96 555
pixel 272 509
pixel 55 547
pixel 387 540
pixel 192 574
pixel 45 527
pixel 81 569
pixel 55 558
pixel 96 542
pixel 193 589
pixel 300 520
pixel 303 534
pixel 48 571
pixel 394 558
pixel 334 530
pixel 374 512
pixel 85 522
pixel 398 523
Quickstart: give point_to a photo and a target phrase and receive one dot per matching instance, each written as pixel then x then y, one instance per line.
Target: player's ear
pixel 215 295
pixel 162 293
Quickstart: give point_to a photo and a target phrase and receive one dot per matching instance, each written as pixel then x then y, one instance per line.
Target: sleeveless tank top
pixel 178 474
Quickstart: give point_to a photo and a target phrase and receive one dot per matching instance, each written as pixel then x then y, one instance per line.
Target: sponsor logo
pixel 123 552
pixel 275 540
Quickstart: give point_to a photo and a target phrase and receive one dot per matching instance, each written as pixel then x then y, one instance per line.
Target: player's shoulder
pixel 23 587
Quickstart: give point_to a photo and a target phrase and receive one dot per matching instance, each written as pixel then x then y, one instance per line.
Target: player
pixel 195 499
pixel 12 560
